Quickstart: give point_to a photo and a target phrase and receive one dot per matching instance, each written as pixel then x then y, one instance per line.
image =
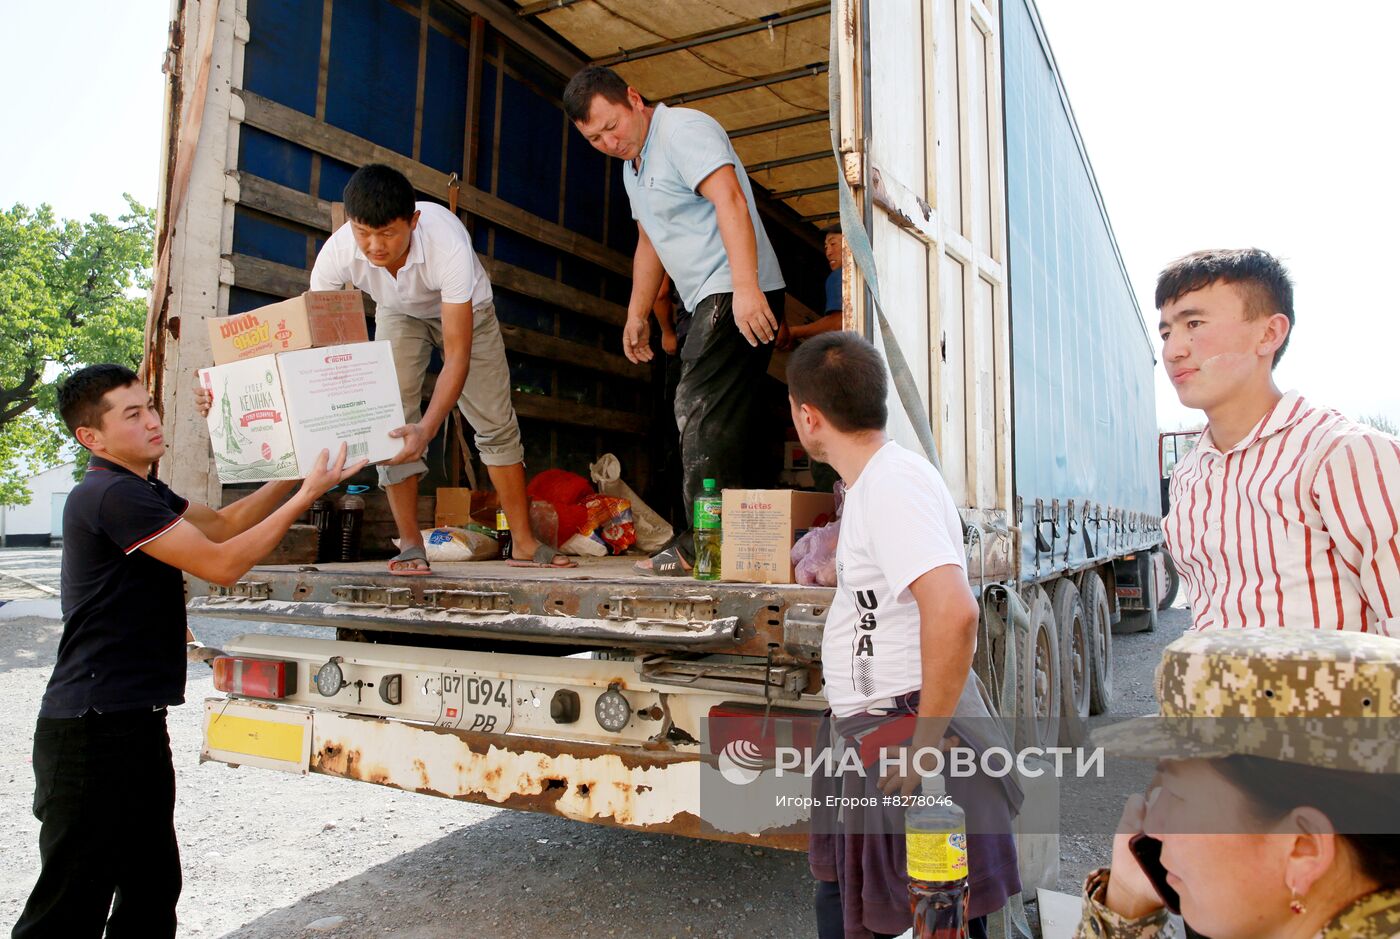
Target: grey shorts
pixel 485 400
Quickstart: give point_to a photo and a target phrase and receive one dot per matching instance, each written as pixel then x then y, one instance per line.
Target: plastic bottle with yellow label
pixel 936 846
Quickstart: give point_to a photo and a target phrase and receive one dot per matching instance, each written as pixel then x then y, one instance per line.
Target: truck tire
pixel 1173 582
pixel 1075 646
pixel 1037 676
pixel 1094 596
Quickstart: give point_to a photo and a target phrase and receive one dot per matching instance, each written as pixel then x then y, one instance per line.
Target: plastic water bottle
pixel 936 846
pixel 352 513
pixel 709 533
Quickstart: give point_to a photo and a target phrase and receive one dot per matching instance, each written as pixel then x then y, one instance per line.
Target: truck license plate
pixel 476 702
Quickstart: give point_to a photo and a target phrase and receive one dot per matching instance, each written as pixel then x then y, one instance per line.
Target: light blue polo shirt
pixel 682 148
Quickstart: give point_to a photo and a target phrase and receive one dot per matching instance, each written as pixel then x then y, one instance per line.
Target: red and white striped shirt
pixel 1293 526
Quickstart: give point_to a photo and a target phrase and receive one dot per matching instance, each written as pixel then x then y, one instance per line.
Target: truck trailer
pixel 586 692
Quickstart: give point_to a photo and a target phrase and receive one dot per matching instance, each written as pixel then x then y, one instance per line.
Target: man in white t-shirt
pixel 897 647
pixel 416 260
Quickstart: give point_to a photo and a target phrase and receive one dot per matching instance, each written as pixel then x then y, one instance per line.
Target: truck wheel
pixel 1037 674
pixel 1094 596
pixel 1075 645
pixel 1173 582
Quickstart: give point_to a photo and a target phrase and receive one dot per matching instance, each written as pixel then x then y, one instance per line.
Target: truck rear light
pixel 254 678
pixel 760 730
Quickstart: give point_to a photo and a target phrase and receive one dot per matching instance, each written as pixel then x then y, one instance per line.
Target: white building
pixel 41 521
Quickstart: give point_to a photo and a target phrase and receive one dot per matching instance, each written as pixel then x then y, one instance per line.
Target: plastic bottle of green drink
pixel 936 845
pixel 708 532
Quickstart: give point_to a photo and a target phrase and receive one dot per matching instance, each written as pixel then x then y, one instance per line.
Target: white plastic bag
pixel 459 544
pixel 652 530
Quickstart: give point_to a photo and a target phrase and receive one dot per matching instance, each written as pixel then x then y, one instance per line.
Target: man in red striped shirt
pixel 1283 514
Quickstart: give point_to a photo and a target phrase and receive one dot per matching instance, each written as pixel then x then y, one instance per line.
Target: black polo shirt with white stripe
pixel 123 644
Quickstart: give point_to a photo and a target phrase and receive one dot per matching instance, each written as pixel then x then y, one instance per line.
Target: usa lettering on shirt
pixel 1295 526
pixel 899 522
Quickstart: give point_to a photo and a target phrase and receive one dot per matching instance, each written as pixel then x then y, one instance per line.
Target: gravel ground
pixel 271 856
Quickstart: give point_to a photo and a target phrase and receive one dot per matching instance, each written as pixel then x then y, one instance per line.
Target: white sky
pixel 1268 123
pixel 1209 122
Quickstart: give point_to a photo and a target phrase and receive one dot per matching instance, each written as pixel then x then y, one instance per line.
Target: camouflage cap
pixel 1327 699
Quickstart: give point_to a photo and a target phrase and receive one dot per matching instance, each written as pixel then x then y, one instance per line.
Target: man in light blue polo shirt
pixel 697 221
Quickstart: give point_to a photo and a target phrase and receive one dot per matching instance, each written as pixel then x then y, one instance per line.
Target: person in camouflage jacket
pixel 1276 806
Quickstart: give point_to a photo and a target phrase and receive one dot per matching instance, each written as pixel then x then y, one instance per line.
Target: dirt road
pixel 271 856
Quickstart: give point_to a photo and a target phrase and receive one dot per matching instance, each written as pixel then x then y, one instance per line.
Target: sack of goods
pixel 275 411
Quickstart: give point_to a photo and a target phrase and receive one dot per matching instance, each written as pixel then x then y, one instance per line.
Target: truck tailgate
pixel 600 603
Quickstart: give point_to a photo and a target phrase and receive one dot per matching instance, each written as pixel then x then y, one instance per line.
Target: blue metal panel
pixel 241 300
pixel 525 252
pixel 283 54
pixel 273 158
pixel 622 228
pixel 486 122
pixel 1085 419
pixel 584 203
pixel 532 149
pixel 334 176
pixel 372 84
pixel 262 237
pixel 444 104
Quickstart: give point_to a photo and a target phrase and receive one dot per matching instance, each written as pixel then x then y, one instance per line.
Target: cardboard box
pixel 456 507
pixel 760 528
pixel 317 318
pixel 273 415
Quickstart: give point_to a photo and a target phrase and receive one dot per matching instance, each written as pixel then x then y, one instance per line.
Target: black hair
pixel 1266 284
pixel 842 375
pixel 378 195
pixel 1351 802
pixel 82 397
pixel 833 229
pixel 588 84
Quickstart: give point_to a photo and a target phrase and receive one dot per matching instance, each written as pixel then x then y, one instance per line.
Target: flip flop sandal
pixel 544 557
pixel 666 564
pixel 406 555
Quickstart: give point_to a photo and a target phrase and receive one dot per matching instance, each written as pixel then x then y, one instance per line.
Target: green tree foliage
pixel 72 293
pixel 1381 423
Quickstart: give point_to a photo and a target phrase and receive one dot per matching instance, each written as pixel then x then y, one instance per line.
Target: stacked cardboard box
pixel 273 413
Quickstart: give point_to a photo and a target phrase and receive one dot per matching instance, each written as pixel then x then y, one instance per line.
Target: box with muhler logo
pixel 273 414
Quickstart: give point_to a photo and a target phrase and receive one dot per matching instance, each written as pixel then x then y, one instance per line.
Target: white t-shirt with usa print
pixel 899 522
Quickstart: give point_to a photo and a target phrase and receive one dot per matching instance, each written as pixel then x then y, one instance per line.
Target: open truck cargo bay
pixel 997 268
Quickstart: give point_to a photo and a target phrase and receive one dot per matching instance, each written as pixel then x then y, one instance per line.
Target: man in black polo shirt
pixel 104 780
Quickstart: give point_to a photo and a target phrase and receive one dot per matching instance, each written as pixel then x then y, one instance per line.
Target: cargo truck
pixel 586 692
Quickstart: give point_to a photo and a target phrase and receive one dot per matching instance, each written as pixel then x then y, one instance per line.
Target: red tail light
pixel 254 678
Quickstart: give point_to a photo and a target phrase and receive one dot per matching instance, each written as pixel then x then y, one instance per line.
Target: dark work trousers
pixel 719 403
pixel 830 924
pixel 105 795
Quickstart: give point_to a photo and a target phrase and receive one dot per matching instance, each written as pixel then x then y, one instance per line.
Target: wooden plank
pixel 273 199
pixel 285 281
pixel 531 342
pixel 543 408
pixel 303 129
pixel 279 280
pixel 510 277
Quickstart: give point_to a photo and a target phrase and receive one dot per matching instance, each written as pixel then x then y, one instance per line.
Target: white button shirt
pixel 441 267
pixel 1294 526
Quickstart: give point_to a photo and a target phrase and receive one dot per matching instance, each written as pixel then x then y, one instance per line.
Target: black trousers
pixel 105 795
pixel 719 403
